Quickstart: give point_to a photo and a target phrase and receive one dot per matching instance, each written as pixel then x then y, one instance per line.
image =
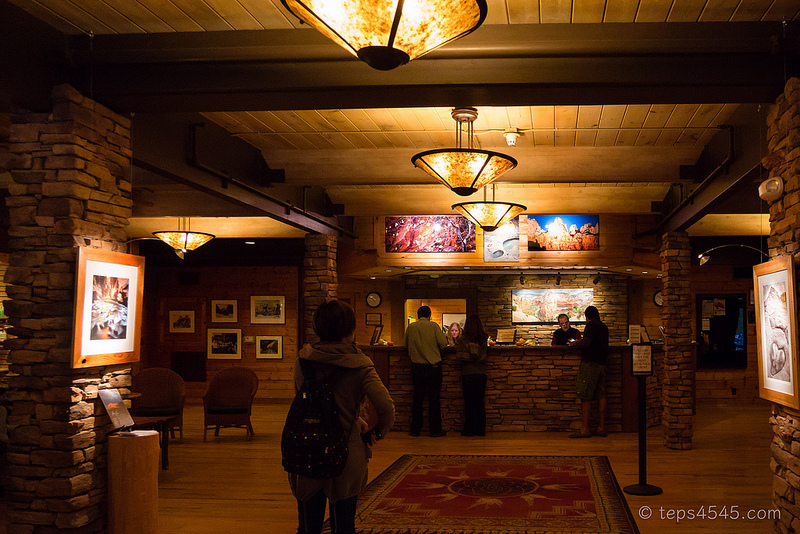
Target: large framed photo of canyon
pixel 109 287
pixel 563 232
pixel 431 233
pixel 776 331
pixel 545 305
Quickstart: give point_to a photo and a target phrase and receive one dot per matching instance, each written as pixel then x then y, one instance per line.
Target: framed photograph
pixel 224 344
pixel 269 347
pixel 108 308
pixel 776 331
pixel 376 335
pixel 181 321
pixel 224 311
pixel 374 319
pixel 563 232
pixel 545 305
pixel 268 310
pixel 450 318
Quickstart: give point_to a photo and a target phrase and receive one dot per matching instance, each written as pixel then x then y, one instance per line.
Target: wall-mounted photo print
pixel 563 232
pixel 503 243
pixel 545 305
pixel 435 233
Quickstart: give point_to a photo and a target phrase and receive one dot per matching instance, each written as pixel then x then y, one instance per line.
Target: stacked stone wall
pixel 320 279
pixel 70 186
pixel 783 162
pixel 677 312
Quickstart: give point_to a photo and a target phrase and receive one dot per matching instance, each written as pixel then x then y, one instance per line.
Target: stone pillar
pixel 678 381
pixel 70 186
pixel 320 279
pixel 783 162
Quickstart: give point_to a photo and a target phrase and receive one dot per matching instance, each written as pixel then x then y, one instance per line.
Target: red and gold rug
pixel 495 494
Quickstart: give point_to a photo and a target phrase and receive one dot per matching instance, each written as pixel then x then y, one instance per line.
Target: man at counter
pixel 591 384
pixel 424 341
pixel 565 332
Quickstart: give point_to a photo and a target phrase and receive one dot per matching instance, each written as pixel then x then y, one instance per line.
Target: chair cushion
pixel 157 411
pixel 226 409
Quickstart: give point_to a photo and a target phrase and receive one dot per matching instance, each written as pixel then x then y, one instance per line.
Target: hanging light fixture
pixel 704 256
pixel 489 215
pixel 464 170
pixel 182 239
pixel 388 33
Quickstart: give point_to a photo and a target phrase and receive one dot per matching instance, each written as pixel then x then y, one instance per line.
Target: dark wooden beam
pixel 541 64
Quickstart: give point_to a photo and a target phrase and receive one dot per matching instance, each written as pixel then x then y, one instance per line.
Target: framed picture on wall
pixel 108 308
pixel 776 331
pixel 224 344
pixel 450 318
pixel 181 322
pixel 268 309
pixel 545 305
pixel 269 347
pixel 373 319
pixel 224 311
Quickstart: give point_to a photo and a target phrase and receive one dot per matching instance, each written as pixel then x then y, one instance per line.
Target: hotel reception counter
pixel 529 388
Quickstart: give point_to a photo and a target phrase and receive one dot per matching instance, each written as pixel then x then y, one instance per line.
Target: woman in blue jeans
pixel 471 349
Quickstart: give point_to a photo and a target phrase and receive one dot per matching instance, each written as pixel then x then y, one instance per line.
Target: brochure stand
pixel 133 482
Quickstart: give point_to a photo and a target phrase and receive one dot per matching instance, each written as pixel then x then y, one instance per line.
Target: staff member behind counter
pixel 565 332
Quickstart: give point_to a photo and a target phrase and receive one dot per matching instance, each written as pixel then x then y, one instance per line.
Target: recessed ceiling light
pixel 406 267
pixel 372 278
pixel 249 242
pixel 629 270
pixel 466 267
pixel 644 272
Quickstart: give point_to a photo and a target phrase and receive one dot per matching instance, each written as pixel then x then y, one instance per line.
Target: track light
pixel 522 279
pixel 558 279
pixel 596 280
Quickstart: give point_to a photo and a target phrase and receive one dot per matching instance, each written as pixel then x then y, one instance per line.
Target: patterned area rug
pixel 479 494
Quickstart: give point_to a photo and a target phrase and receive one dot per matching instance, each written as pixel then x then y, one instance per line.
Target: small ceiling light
pixel 385 34
pixel 183 239
pixel 511 136
pixel 249 242
pixel 704 256
pixel 464 170
pixel 558 279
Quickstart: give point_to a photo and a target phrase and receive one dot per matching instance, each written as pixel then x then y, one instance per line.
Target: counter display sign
pixel 642 364
pixel 435 233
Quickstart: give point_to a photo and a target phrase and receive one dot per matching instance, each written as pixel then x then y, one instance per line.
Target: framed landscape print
pixel 545 305
pixel 268 310
pixel 776 331
pixel 181 321
pixel 108 308
pixel 224 311
pixel 563 232
pixel 432 233
pixel 224 344
pixel 269 347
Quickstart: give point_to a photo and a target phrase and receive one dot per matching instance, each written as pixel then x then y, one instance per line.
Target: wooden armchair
pixel 229 400
pixel 162 393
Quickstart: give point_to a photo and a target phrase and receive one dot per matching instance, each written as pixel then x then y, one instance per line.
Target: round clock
pixel 373 299
pixel 658 298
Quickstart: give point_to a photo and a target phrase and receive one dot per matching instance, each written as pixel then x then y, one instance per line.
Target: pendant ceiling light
pixel 464 170
pixel 489 215
pixel 182 239
pixel 388 33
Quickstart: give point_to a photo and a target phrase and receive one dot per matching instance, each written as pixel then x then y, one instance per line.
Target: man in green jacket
pixel 424 341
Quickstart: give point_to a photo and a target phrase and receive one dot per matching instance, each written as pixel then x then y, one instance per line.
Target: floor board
pixel 229 484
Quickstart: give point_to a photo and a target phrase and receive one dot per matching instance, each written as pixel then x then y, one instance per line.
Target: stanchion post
pixel 642 367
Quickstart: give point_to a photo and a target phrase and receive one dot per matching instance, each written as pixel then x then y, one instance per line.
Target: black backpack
pixel 313 443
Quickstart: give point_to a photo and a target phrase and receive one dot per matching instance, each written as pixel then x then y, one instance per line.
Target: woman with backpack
pixel 352 379
pixel 471 349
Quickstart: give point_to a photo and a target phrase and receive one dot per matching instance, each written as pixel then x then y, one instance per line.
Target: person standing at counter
pixel 424 341
pixel 471 350
pixel 591 384
pixel 565 332
pixel 453 334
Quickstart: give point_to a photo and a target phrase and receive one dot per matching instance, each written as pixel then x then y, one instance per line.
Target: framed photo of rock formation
pixel 776 331
pixel 108 308
pixel 563 232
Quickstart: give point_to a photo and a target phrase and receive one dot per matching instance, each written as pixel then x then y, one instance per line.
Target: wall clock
pixel 658 298
pixel 373 299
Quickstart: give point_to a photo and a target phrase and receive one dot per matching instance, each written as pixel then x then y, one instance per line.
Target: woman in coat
pixel 471 349
pixel 353 379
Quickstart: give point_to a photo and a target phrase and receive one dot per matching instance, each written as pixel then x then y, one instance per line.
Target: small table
pixel 161 424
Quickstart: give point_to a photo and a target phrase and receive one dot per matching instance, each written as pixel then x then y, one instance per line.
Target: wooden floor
pixel 236 486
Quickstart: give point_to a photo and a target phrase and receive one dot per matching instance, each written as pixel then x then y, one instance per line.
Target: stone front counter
pixel 528 388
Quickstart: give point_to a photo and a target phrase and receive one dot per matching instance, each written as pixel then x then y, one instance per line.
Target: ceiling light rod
pixel 385 34
pixel 464 170
pixel 704 257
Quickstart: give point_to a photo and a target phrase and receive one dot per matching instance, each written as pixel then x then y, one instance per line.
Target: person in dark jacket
pixel 565 333
pixel 591 384
pixel 353 378
pixel 471 350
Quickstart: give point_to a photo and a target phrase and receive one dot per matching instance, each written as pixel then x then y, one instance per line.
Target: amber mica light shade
pixel 464 170
pixel 388 33
pixel 489 215
pixel 183 239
